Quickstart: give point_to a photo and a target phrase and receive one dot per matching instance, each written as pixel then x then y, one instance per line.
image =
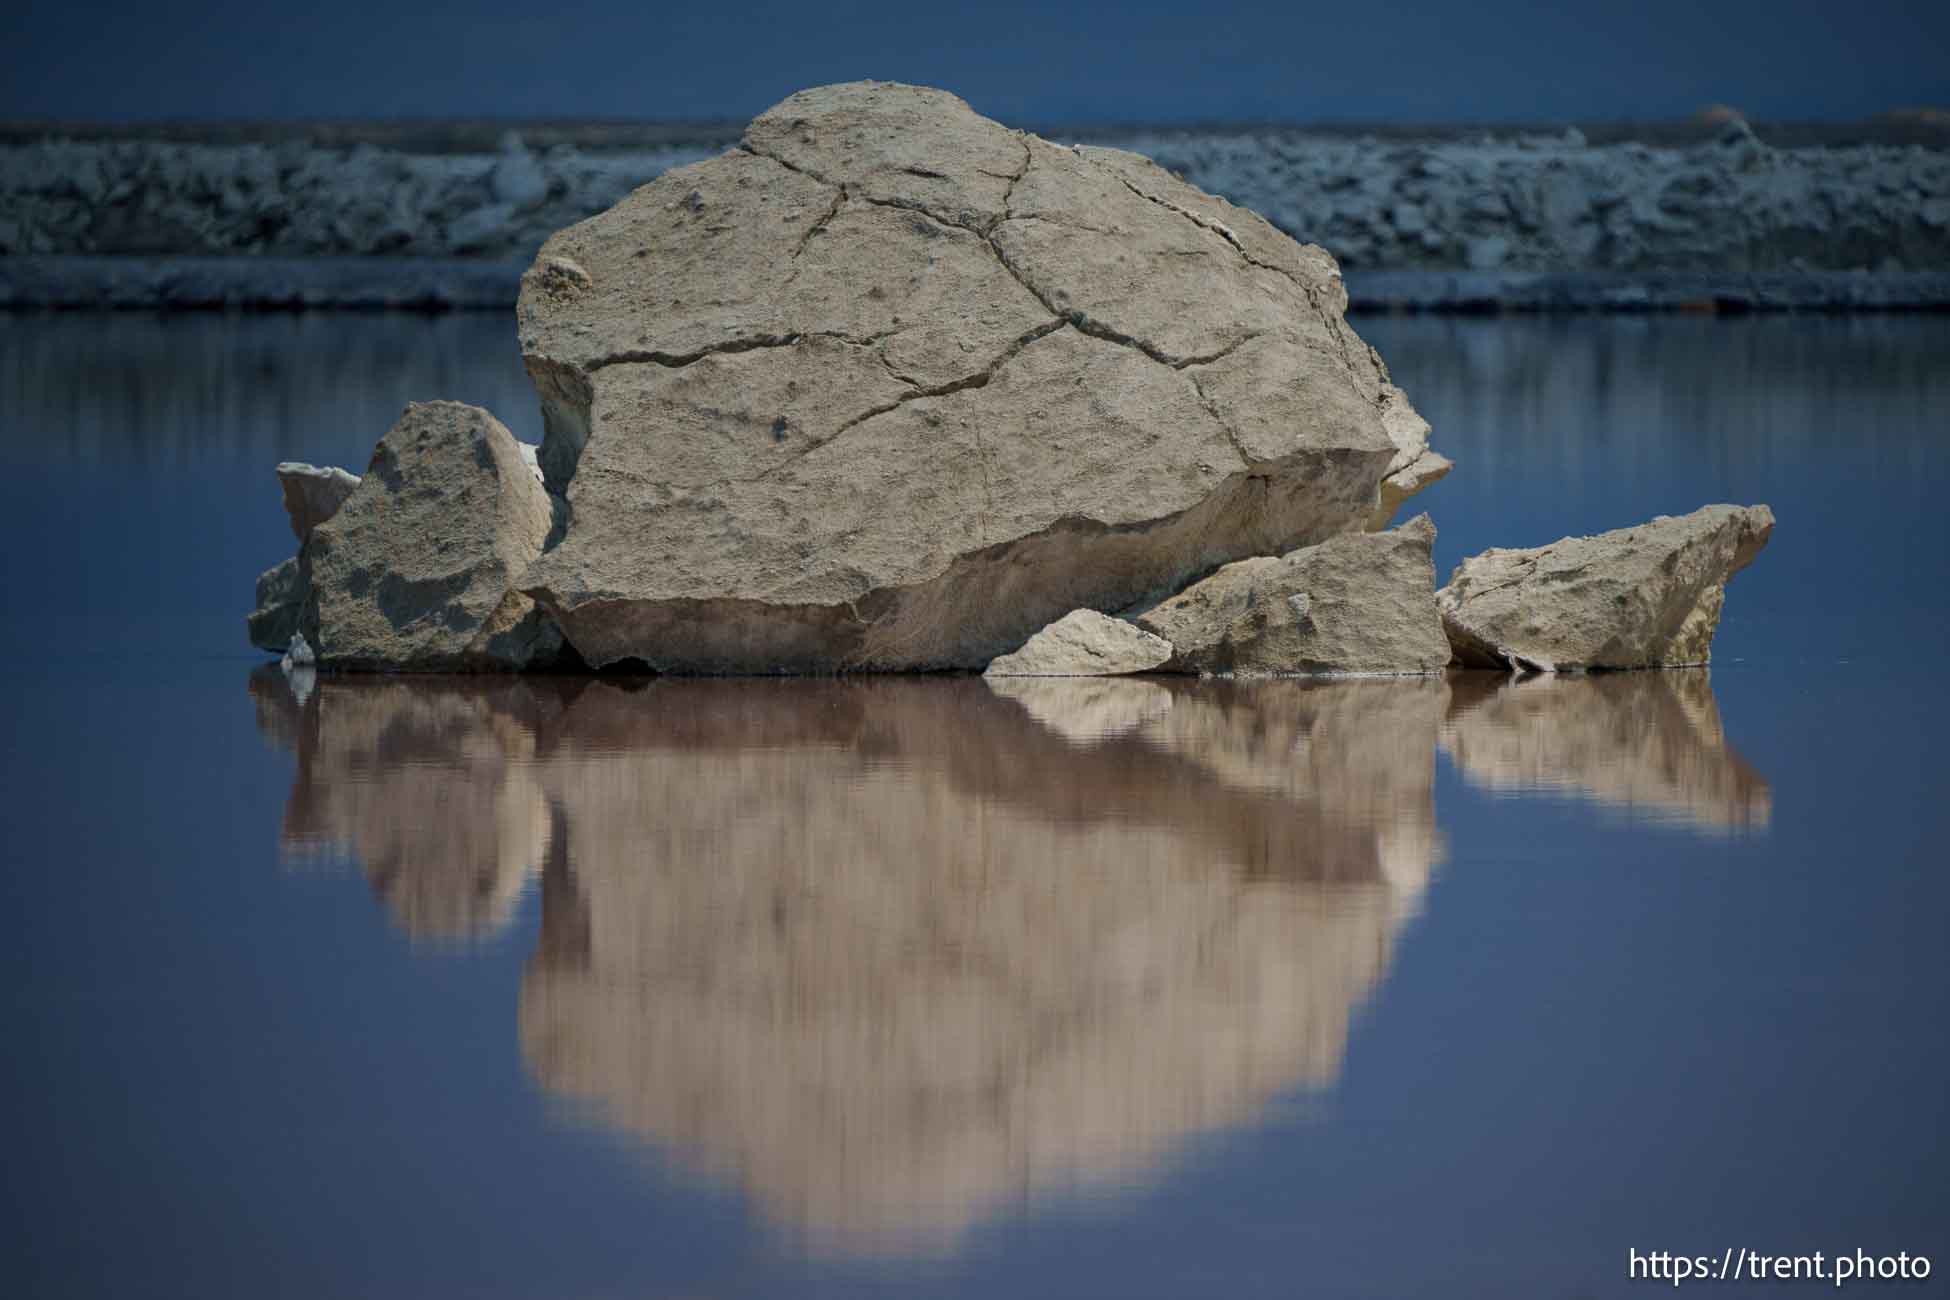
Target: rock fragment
pixel 280 604
pixel 1415 465
pixel 1084 643
pixel 1642 597
pixel 299 654
pixel 313 494
pixel 416 570
pixel 1362 603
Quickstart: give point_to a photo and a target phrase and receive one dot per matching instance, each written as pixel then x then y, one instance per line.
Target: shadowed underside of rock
pixel 1641 597
pixel 891 386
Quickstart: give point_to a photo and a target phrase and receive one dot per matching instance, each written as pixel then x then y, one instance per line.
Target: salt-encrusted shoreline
pixel 1523 221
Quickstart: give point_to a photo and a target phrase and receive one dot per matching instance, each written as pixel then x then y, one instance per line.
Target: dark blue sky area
pixel 1416 60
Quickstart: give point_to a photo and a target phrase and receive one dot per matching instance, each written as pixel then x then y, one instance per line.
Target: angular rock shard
pixel 280 605
pixel 893 387
pixel 1642 597
pixel 1362 603
pixel 1405 482
pixel 416 570
pixel 1084 643
pixel 313 494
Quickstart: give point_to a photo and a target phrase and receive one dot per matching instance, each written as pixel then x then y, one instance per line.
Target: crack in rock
pixel 678 360
pixel 759 343
pixel 979 379
pixel 1225 232
pixel 839 201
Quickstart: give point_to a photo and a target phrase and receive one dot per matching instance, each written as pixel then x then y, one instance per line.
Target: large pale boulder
pixel 313 494
pixel 1361 603
pixel 890 386
pixel 1084 643
pixel 416 571
pixel 1642 597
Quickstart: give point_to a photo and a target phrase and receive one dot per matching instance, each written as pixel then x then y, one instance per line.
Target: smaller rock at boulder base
pixel 1084 643
pixel 416 572
pixel 1642 597
pixel 1360 603
pixel 280 601
pixel 298 654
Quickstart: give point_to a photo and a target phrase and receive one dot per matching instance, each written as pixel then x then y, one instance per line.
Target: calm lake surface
pixel 566 988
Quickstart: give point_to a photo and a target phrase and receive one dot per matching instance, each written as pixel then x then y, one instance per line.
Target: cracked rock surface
pixel 1363 603
pixel 1084 643
pixel 416 570
pixel 890 386
pixel 1641 597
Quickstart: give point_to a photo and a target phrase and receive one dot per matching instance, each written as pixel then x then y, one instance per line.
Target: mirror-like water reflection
pixel 891 955
pixel 1314 989
pixel 1647 744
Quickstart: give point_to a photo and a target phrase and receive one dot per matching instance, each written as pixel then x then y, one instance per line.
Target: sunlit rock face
pixel 1363 603
pixel 413 571
pixel 1648 596
pixel 1648 744
pixel 890 386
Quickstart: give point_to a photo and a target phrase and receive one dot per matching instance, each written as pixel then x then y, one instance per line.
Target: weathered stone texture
pixel 1641 597
pixel 416 570
pixel 893 387
pixel 313 494
pixel 1084 643
pixel 1362 603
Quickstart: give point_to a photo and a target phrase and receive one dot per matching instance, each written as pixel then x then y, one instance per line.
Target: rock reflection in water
pixel 1649 743
pixel 894 955
pixel 432 791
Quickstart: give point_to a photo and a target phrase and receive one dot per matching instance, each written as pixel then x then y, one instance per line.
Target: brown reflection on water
pixel 1649 743
pixel 894 955
pixel 891 956
pixel 432 790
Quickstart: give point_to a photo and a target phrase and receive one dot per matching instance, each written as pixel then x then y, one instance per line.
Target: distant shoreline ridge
pixel 1679 216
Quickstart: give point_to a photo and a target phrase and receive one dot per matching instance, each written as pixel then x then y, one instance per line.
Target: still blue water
pixel 563 989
